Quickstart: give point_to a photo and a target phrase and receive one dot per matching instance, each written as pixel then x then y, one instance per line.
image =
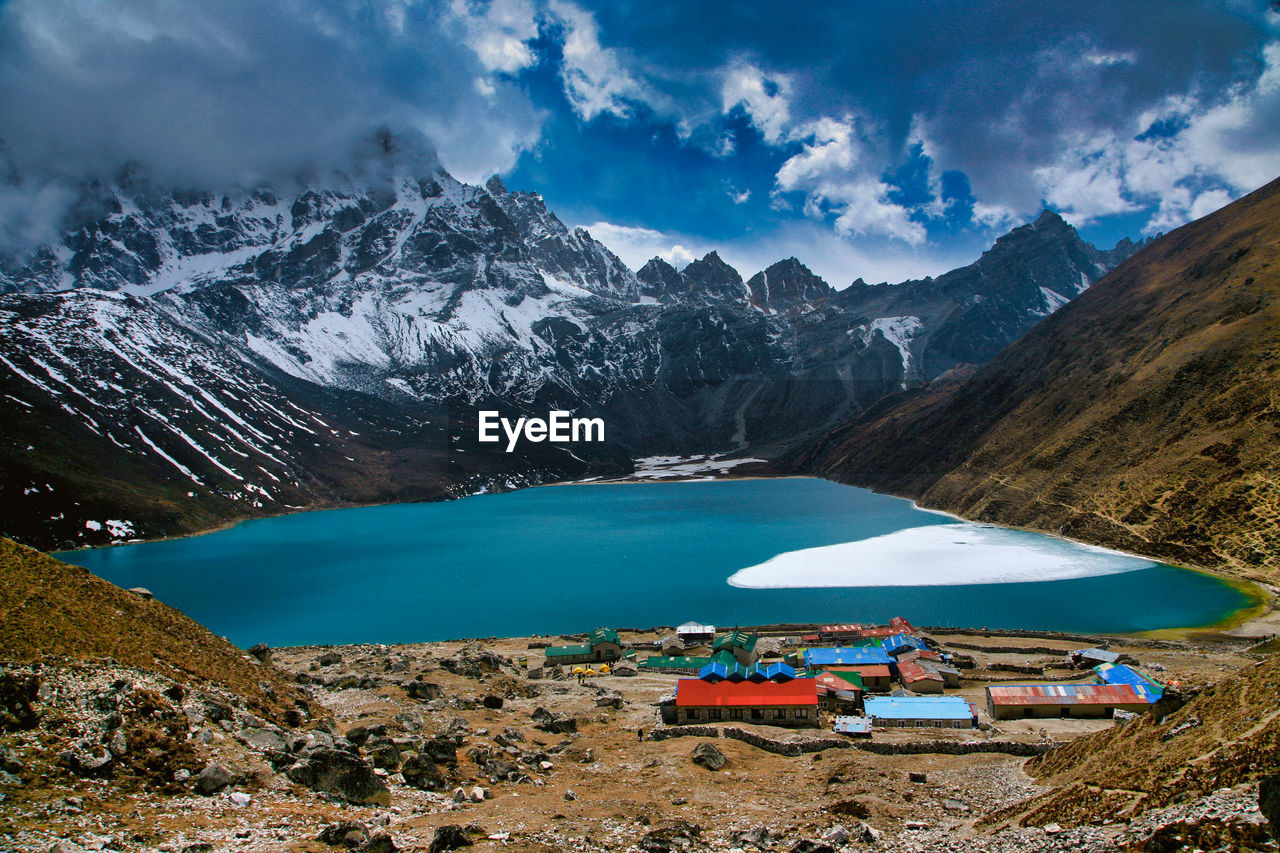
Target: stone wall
pixel 800 747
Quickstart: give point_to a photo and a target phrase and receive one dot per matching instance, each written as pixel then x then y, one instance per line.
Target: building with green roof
pixel 740 644
pixel 602 645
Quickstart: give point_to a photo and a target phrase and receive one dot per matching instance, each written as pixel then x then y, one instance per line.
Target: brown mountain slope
pixel 50 609
pixel 1143 415
pixel 1227 735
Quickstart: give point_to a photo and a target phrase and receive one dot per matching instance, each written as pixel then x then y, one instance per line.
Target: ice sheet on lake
pixel 937 555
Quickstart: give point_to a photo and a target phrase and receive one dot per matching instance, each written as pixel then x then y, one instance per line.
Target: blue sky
pixel 882 140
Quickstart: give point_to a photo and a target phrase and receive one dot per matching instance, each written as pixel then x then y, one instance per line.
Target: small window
pixel 713 714
pixel 780 714
pixel 757 713
pixel 691 713
pixel 735 713
pixel 802 713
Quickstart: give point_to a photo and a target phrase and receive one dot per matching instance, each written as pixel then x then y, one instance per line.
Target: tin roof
pixel 567 651
pixel 920 654
pixel 846 655
pixel 902 641
pixel 738 639
pixel 918 707
pixel 664 662
pixel 733 671
pixel 603 635
pixel 695 628
pixel 902 624
pixel 1066 694
pixel 870 670
pixel 879 632
pixel 1099 654
pixel 852 725
pixel 841 629
pixel 699 693
pixel 839 681
pixel 1113 673
pixel 915 672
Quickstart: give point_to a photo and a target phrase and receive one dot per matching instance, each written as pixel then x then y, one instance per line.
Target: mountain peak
pixel 495 186
pixel 788 285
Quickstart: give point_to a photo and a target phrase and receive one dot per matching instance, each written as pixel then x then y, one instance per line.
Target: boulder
pixel 380 843
pixel 263 740
pixel 918 777
pixel 421 772
pixel 423 691
pixel 441 749
pixel 757 836
pixel 804 845
pixel 18 696
pixel 448 837
pixel 1269 802
pixel 213 778
pixel 709 756
pixel 492 702
pixel 678 836
pixel 333 771
pixel 262 652
pixel 385 756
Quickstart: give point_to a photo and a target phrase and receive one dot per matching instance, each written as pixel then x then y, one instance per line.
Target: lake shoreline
pixel 1238 620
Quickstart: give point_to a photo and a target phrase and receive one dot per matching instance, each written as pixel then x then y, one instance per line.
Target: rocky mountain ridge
pixel 183 358
pixel 1142 416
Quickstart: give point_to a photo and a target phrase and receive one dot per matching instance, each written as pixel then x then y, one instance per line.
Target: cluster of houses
pixel 840 670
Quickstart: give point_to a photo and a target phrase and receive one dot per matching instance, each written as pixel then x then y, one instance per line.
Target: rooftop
pixel 848 655
pixel 1066 694
pixel 664 662
pixel 567 651
pixel 698 693
pixel 736 639
pixel 603 635
pixel 918 707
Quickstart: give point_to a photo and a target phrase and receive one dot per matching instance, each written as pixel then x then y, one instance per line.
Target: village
pixel 795 738
pixel 852 679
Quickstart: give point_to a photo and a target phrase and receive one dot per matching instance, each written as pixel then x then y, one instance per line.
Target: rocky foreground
pixel 442 746
pixel 126 726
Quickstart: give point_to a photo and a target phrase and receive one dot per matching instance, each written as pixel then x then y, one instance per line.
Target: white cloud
pixel 1109 58
pixel 636 245
pixel 594 78
pixel 825 169
pixel 767 99
pixel 1087 183
pixel 1201 156
pixel 499 32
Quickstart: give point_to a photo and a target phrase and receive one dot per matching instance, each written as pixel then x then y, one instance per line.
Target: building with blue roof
pixel 1119 673
pixel 847 656
pixel 949 712
pixel 730 670
pixel 902 643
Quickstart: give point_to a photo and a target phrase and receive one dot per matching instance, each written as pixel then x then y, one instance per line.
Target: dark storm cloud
pixel 237 90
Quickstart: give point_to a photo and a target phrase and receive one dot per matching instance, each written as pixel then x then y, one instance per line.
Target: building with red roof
pixel 789 703
pixel 875 677
pixel 1015 701
pixel 918 679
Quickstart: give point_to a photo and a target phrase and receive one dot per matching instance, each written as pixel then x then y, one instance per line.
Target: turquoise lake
pixel 567 559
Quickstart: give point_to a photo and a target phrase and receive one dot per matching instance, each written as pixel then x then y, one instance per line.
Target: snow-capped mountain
pixel 180 358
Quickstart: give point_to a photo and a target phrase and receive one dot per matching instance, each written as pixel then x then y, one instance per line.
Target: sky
pixel 874 140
